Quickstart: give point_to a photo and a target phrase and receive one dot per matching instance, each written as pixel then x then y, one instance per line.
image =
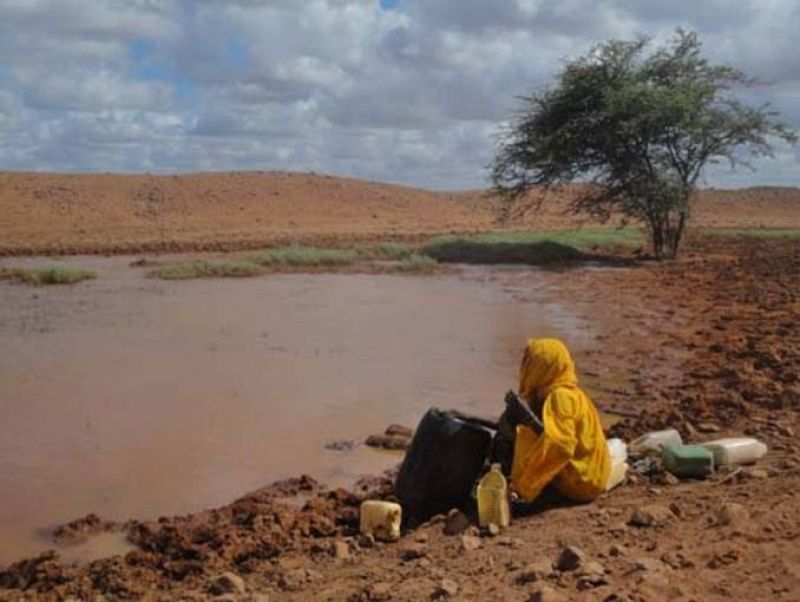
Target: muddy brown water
pixel 132 397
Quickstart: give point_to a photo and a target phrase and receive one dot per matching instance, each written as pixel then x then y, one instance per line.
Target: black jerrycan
pixel 445 458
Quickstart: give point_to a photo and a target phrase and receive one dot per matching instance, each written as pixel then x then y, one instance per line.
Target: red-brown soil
pixel 709 342
pixel 109 213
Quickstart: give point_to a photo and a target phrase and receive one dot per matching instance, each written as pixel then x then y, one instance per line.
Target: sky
pixel 408 91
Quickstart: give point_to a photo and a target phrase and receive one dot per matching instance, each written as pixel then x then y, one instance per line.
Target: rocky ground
pixel 709 345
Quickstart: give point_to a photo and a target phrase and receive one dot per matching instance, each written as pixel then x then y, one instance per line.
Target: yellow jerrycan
pixel 492 497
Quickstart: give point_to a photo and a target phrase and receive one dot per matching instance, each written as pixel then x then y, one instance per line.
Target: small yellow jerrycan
pixel 492 497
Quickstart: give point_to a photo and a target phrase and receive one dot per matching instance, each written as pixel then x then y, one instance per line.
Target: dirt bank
pixel 710 345
pixel 111 213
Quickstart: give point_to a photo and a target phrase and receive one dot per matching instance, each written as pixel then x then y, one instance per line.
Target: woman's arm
pixel 539 458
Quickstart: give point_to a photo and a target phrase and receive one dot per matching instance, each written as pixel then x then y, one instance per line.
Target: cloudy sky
pixel 411 91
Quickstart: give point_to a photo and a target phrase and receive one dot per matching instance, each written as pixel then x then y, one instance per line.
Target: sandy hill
pixel 75 213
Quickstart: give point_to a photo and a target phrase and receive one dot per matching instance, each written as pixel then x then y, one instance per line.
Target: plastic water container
pixel 381 519
pixel 688 461
pixel 492 497
pixel 653 443
pixel 736 450
pixel 618 451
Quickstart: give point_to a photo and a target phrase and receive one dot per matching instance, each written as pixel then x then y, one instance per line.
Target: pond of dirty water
pixel 133 397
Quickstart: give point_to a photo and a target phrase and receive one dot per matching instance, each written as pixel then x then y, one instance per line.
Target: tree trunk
pixel 657 234
pixel 677 235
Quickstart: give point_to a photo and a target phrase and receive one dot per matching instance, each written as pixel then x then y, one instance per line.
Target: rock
pixel 398 430
pixel 535 571
pixel 446 589
pixel 676 560
pixel 456 522
pixel 708 427
pixel 755 473
pixel 732 514
pixel 650 516
pixel 345 445
pixel 546 594
pixel 296 579
pixel 414 551
pixel 392 442
pixel 646 564
pixel 720 560
pixel 341 550
pixel 666 478
pixel 590 582
pixel 617 529
pixel 378 592
pixel 570 559
pixel 470 543
pixel 592 567
pixel 617 549
pixel 226 583
pixel 592 574
pixel 366 540
pixel 510 542
pixel 615 597
pixel 492 530
pixel 658 586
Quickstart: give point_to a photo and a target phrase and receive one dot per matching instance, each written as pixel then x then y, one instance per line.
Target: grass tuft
pixel 421 264
pixel 207 269
pixel 56 274
pixel 387 251
pixel 306 257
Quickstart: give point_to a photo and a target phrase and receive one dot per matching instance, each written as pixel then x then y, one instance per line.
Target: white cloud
pixel 414 94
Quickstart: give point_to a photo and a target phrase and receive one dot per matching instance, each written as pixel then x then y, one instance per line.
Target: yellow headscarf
pixel 546 364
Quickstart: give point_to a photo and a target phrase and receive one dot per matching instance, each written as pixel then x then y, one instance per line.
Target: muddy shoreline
pixel 709 345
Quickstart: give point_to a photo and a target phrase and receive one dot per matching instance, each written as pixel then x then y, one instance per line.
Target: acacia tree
pixel 640 128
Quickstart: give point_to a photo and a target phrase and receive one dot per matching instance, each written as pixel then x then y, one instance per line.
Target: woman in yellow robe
pixel 571 452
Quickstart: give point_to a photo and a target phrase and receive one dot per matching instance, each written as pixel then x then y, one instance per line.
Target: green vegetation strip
pixel 207 269
pixel 497 247
pixel 530 247
pixel 417 263
pixel 765 233
pixel 299 258
pixel 306 257
pixel 47 275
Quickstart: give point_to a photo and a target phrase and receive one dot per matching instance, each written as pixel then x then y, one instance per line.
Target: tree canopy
pixel 640 128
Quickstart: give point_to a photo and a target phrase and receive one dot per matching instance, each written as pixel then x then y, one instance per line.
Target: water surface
pixel 132 397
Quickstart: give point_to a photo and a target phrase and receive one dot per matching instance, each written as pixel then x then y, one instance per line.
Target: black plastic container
pixel 445 458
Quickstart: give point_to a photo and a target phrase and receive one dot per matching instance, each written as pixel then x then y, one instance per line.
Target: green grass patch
pixel 416 263
pixel 56 274
pixel 306 257
pixel 530 247
pixel 390 251
pixel 207 269
pixel 765 233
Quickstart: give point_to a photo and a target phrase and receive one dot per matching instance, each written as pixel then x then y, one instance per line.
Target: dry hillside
pixel 80 213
